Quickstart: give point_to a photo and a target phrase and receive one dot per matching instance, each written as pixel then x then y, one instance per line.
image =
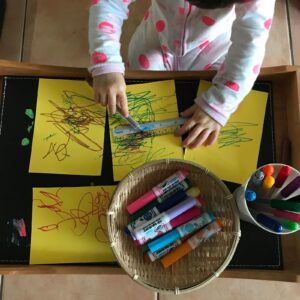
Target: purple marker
pixel 291 187
pixel 152 228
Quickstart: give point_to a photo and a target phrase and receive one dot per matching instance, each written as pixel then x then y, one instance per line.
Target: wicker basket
pixel 200 266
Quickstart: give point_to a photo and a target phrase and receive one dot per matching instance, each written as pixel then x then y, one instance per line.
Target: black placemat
pixel 257 248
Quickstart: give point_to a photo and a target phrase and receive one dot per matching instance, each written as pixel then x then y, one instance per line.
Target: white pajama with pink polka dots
pixel 175 35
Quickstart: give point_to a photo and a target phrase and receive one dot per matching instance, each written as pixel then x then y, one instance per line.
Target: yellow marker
pixel 267 186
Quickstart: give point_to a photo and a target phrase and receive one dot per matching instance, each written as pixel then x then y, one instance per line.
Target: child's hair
pixel 212 4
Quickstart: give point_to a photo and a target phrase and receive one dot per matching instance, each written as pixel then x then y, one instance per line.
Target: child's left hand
pixel 202 128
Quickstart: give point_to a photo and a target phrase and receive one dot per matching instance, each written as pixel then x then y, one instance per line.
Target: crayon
pixel 268 170
pixel 257 178
pixel 192 243
pixel 285 205
pixel 161 207
pixel 181 232
pixel 288 215
pixel 182 186
pixel 190 214
pixel 267 185
pixel 157 191
pixel 250 195
pixel 283 174
pixel 153 227
pixel 291 187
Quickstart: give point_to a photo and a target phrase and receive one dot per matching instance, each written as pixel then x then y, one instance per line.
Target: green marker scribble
pixel 49 136
pixel 29 113
pixel 25 142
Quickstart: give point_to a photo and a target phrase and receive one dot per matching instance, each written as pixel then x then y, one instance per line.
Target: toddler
pixel 224 35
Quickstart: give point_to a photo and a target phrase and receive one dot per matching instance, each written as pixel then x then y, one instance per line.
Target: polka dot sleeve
pixel 105 24
pixel 237 75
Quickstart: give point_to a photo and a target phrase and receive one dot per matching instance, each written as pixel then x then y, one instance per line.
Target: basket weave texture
pixel 201 265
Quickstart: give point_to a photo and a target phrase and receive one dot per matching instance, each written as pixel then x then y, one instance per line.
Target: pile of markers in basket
pixel 169 221
pixel 270 198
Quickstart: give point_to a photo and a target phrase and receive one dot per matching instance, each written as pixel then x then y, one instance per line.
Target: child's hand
pixel 110 89
pixel 202 128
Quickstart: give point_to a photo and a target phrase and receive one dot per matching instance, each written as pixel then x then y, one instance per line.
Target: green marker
pixel 285 205
pixel 287 224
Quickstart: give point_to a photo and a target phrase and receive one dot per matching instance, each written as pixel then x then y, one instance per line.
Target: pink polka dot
pixel 222 67
pixel 94 2
pixel 204 44
pixel 208 20
pixel 177 43
pixel 268 24
pixel 106 26
pixel 181 10
pixel 232 85
pixel 99 57
pixel 126 1
pixel 127 13
pixel 160 25
pixel 144 62
pixel 165 58
pixel 164 48
pixel 256 69
pixel 207 67
pixel 147 14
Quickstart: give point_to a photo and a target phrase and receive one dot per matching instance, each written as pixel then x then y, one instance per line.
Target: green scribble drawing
pixel 29 113
pixel 234 134
pixel 49 136
pixel 137 149
pixel 25 142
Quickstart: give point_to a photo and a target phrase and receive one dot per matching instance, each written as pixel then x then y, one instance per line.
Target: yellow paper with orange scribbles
pixel 147 102
pixel 234 156
pixel 69 129
pixel 69 225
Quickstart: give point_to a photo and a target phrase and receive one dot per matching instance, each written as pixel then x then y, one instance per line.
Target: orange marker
pixel 268 170
pixel 192 243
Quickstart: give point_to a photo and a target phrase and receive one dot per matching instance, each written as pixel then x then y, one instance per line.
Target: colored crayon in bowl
pixel 181 232
pixel 158 224
pixel 157 191
pixel 176 192
pixel 192 243
pixel 161 207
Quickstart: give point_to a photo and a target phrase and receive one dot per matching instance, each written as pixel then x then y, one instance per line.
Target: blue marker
pixel 267 221
pixel 180 232
pixel 250 195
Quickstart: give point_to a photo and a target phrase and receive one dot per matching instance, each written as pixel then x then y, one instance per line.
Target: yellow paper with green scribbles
pixel 234 156
pixel 69 225
pixel 68 129
pixel 147 103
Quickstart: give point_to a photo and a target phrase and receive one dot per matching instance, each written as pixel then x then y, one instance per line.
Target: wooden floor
pixel 54 32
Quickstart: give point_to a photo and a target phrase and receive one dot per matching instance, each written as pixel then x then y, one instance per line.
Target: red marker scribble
pixel 80 217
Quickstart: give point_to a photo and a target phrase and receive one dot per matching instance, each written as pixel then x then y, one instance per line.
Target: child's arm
pixel 241 66
pixel 107 68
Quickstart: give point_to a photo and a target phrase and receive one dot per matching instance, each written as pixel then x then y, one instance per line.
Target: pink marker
pixel 157 191
pixel 287 215
pixel 283 174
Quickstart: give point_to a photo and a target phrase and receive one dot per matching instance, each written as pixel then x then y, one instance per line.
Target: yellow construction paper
pixel 69 129
pixel 147 103
pixel 69 225
pixel 234 156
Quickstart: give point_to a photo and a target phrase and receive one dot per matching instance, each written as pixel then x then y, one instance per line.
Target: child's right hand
pixel 110 89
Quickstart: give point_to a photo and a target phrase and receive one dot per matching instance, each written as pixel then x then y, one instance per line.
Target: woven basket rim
pixel 223 265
